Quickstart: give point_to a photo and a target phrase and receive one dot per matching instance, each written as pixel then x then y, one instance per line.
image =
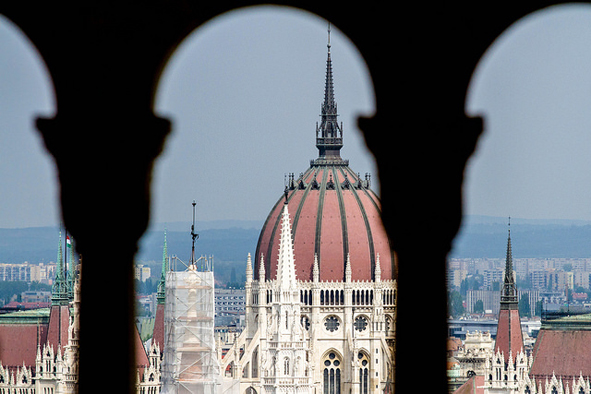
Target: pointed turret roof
pixel 286 275
pixel 509 338
pixel 59 291
pixel 509 297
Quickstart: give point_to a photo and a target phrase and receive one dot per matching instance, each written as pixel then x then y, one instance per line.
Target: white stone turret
pixel 286 275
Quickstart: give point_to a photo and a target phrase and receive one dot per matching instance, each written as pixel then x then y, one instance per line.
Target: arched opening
pixel 30 213
pixel 532 88
pixel 363 363
pixel 331 372
pixel 251 81
pixel 28 176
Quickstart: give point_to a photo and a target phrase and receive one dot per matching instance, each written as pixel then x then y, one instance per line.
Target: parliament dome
pixel 334 213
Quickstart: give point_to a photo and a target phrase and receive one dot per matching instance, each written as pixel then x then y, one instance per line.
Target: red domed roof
pixel 333 213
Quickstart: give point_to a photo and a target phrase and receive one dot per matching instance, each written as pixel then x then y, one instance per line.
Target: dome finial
pixel 329 134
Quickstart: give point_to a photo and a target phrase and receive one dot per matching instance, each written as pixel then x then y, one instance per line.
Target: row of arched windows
pixel 337 297
pixel 389 297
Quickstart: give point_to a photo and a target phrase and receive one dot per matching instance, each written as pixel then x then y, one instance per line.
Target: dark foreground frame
pixel 105 60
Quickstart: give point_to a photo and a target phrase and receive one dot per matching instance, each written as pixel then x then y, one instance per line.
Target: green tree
pixel 538 311
pixel 479 307
pixel 455 305
pixel 496 286
pixel 524 306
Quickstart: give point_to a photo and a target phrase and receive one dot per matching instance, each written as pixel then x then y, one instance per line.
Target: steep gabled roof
pixel 565 353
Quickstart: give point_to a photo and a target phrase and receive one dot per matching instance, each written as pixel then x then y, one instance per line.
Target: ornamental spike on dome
pixel 249 273
pixel 286 275
pixel 329 135
pixel 262 275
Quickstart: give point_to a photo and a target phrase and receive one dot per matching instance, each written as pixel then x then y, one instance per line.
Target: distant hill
pixel 231 244
pixel 231 241
pixel 39 244
pixel 484 236
pixel 33 244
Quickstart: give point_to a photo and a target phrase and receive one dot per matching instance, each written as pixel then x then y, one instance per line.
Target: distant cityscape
pixel 553 282
pixel 518 326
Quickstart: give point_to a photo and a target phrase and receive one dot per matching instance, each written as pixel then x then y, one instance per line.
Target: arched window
pixel 363 372
pixel 305 321
pixel 286 366
pixel 332 374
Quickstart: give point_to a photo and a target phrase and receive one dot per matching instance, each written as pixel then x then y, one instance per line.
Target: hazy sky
pixel 250 84
pixel 534 85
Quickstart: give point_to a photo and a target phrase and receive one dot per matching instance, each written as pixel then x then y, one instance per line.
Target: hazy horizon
pixel 252 81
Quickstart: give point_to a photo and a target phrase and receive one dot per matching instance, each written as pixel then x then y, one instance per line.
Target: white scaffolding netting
pixel 190 362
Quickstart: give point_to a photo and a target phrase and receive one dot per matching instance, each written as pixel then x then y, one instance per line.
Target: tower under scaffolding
pixel 190 362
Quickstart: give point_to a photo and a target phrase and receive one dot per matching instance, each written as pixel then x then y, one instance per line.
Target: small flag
pixel 68 241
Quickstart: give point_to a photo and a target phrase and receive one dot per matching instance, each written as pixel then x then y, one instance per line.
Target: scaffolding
pixel 190 362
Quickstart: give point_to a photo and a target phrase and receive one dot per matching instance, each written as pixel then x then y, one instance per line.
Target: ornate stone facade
pixel 314 336
pixel 320 305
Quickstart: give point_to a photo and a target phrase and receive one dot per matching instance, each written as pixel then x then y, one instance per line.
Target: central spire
pixel 329 135
pixel 509 296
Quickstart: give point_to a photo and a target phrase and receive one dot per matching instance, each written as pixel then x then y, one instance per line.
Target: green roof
pixel 569 321
pixel 30 316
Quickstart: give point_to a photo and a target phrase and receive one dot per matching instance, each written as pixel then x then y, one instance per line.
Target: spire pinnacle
pixel 509 297
pixel 59 291
pixel 315 269
pixel 248 269
pixel 262 275
pixel 329 135
pixel 160 295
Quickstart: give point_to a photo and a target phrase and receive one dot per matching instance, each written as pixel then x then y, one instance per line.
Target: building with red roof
pixel 509 337
pixel 560 362
pixel 561 357
pixel 39 347
pixel 321 289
